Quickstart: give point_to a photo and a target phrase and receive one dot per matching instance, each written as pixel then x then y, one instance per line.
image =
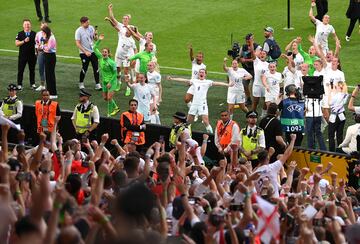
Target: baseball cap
pixel 269 29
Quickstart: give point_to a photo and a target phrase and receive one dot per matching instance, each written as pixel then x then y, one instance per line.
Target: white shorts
pixel 258 91
pixel 271 98
pixel 121 62
pixel 236 97
pixel 191 90
pixel 198 109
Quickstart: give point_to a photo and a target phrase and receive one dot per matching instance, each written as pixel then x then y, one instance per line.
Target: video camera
pixel 235 50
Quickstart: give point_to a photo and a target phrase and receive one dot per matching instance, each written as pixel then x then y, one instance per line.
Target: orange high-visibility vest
pixel 224 132
pixel 132 136
pixel 45 116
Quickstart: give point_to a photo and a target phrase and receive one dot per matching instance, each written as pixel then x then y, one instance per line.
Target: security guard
pixel 178 128
pixel 12 106
pixel 252 138
pixel 85 117
pixel 47 113
pixel 132 125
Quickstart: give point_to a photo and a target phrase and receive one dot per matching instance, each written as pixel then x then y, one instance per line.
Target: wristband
pixel 104 220
pixel 247 195
pixel 102 144
pixel 101 175
pixel 205 141
pixel 183 195
pixel 18 193
pixel 68 161
pixel 57 205
pixel 147 156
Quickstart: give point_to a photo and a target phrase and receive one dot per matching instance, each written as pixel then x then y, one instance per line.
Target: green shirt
pixel 107 67
pixel 144 57
pixel 308 59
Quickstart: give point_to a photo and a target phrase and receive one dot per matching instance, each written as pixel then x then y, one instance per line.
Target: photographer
pixel 292 114
pixel 248 63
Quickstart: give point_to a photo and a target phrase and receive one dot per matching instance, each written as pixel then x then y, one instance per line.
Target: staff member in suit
pixel 353 13
pixel 25 41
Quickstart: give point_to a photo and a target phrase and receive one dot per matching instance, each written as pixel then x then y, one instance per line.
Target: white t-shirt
pixel 322 33
pixel 195 67
pixel 122 28
pixel 154 78
pixel 143 93
pixel 126 46
pixel 298 60
pixel 334 76
pixel 237 76
pixel 201 88
pixel 273 81
pixel 270 171
pixel 142 42
pixel 289 77
pixel 260 67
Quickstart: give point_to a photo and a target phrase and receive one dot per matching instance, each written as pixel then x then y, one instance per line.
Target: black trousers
pixel 321 8
pixel 22 61
pixel 50 63
pixel 85 60
pixel 351 26
pixel 337 129
pixel 38 8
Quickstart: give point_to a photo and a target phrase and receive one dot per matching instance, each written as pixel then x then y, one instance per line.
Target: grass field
pixel 207 24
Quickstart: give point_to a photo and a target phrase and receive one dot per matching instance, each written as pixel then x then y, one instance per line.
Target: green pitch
pixel 207 24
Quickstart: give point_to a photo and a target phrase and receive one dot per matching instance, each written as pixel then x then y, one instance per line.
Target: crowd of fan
pixel 82 191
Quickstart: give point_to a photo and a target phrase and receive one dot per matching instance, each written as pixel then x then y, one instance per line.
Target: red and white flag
pixel 268 226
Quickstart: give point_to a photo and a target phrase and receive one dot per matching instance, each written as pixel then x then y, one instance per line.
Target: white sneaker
pixel 40 88
pixel 19 88
pixel 347 38
pixel 53 97
pixel 196 118
pixel 81 85
pixel 98 87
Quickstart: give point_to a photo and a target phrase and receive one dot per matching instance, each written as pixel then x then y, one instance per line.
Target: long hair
pixel 47 32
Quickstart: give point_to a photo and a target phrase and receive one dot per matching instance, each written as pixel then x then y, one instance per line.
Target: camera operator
pixel 248 63
pixel 292 114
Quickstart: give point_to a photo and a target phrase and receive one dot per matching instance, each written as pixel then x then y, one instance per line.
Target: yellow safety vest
pixel 83 118
pixel 250 143
pixel 176 132
pixel 9 107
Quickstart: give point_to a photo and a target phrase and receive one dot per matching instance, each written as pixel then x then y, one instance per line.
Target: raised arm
pixel 191 52
pixel 289 149
pixel 178 79
pixel 288 47
pixel 355 92
pixel 113 24
pixel 96 47
pixel 311 12
pixel 337 48
pixel 217 83
pixel 111 15
pixel 225 68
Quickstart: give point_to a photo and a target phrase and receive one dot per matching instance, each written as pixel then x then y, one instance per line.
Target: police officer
pixel 292 114
pixel 12 106
pixel 252 138
pixel 178 128
pixel 85 117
